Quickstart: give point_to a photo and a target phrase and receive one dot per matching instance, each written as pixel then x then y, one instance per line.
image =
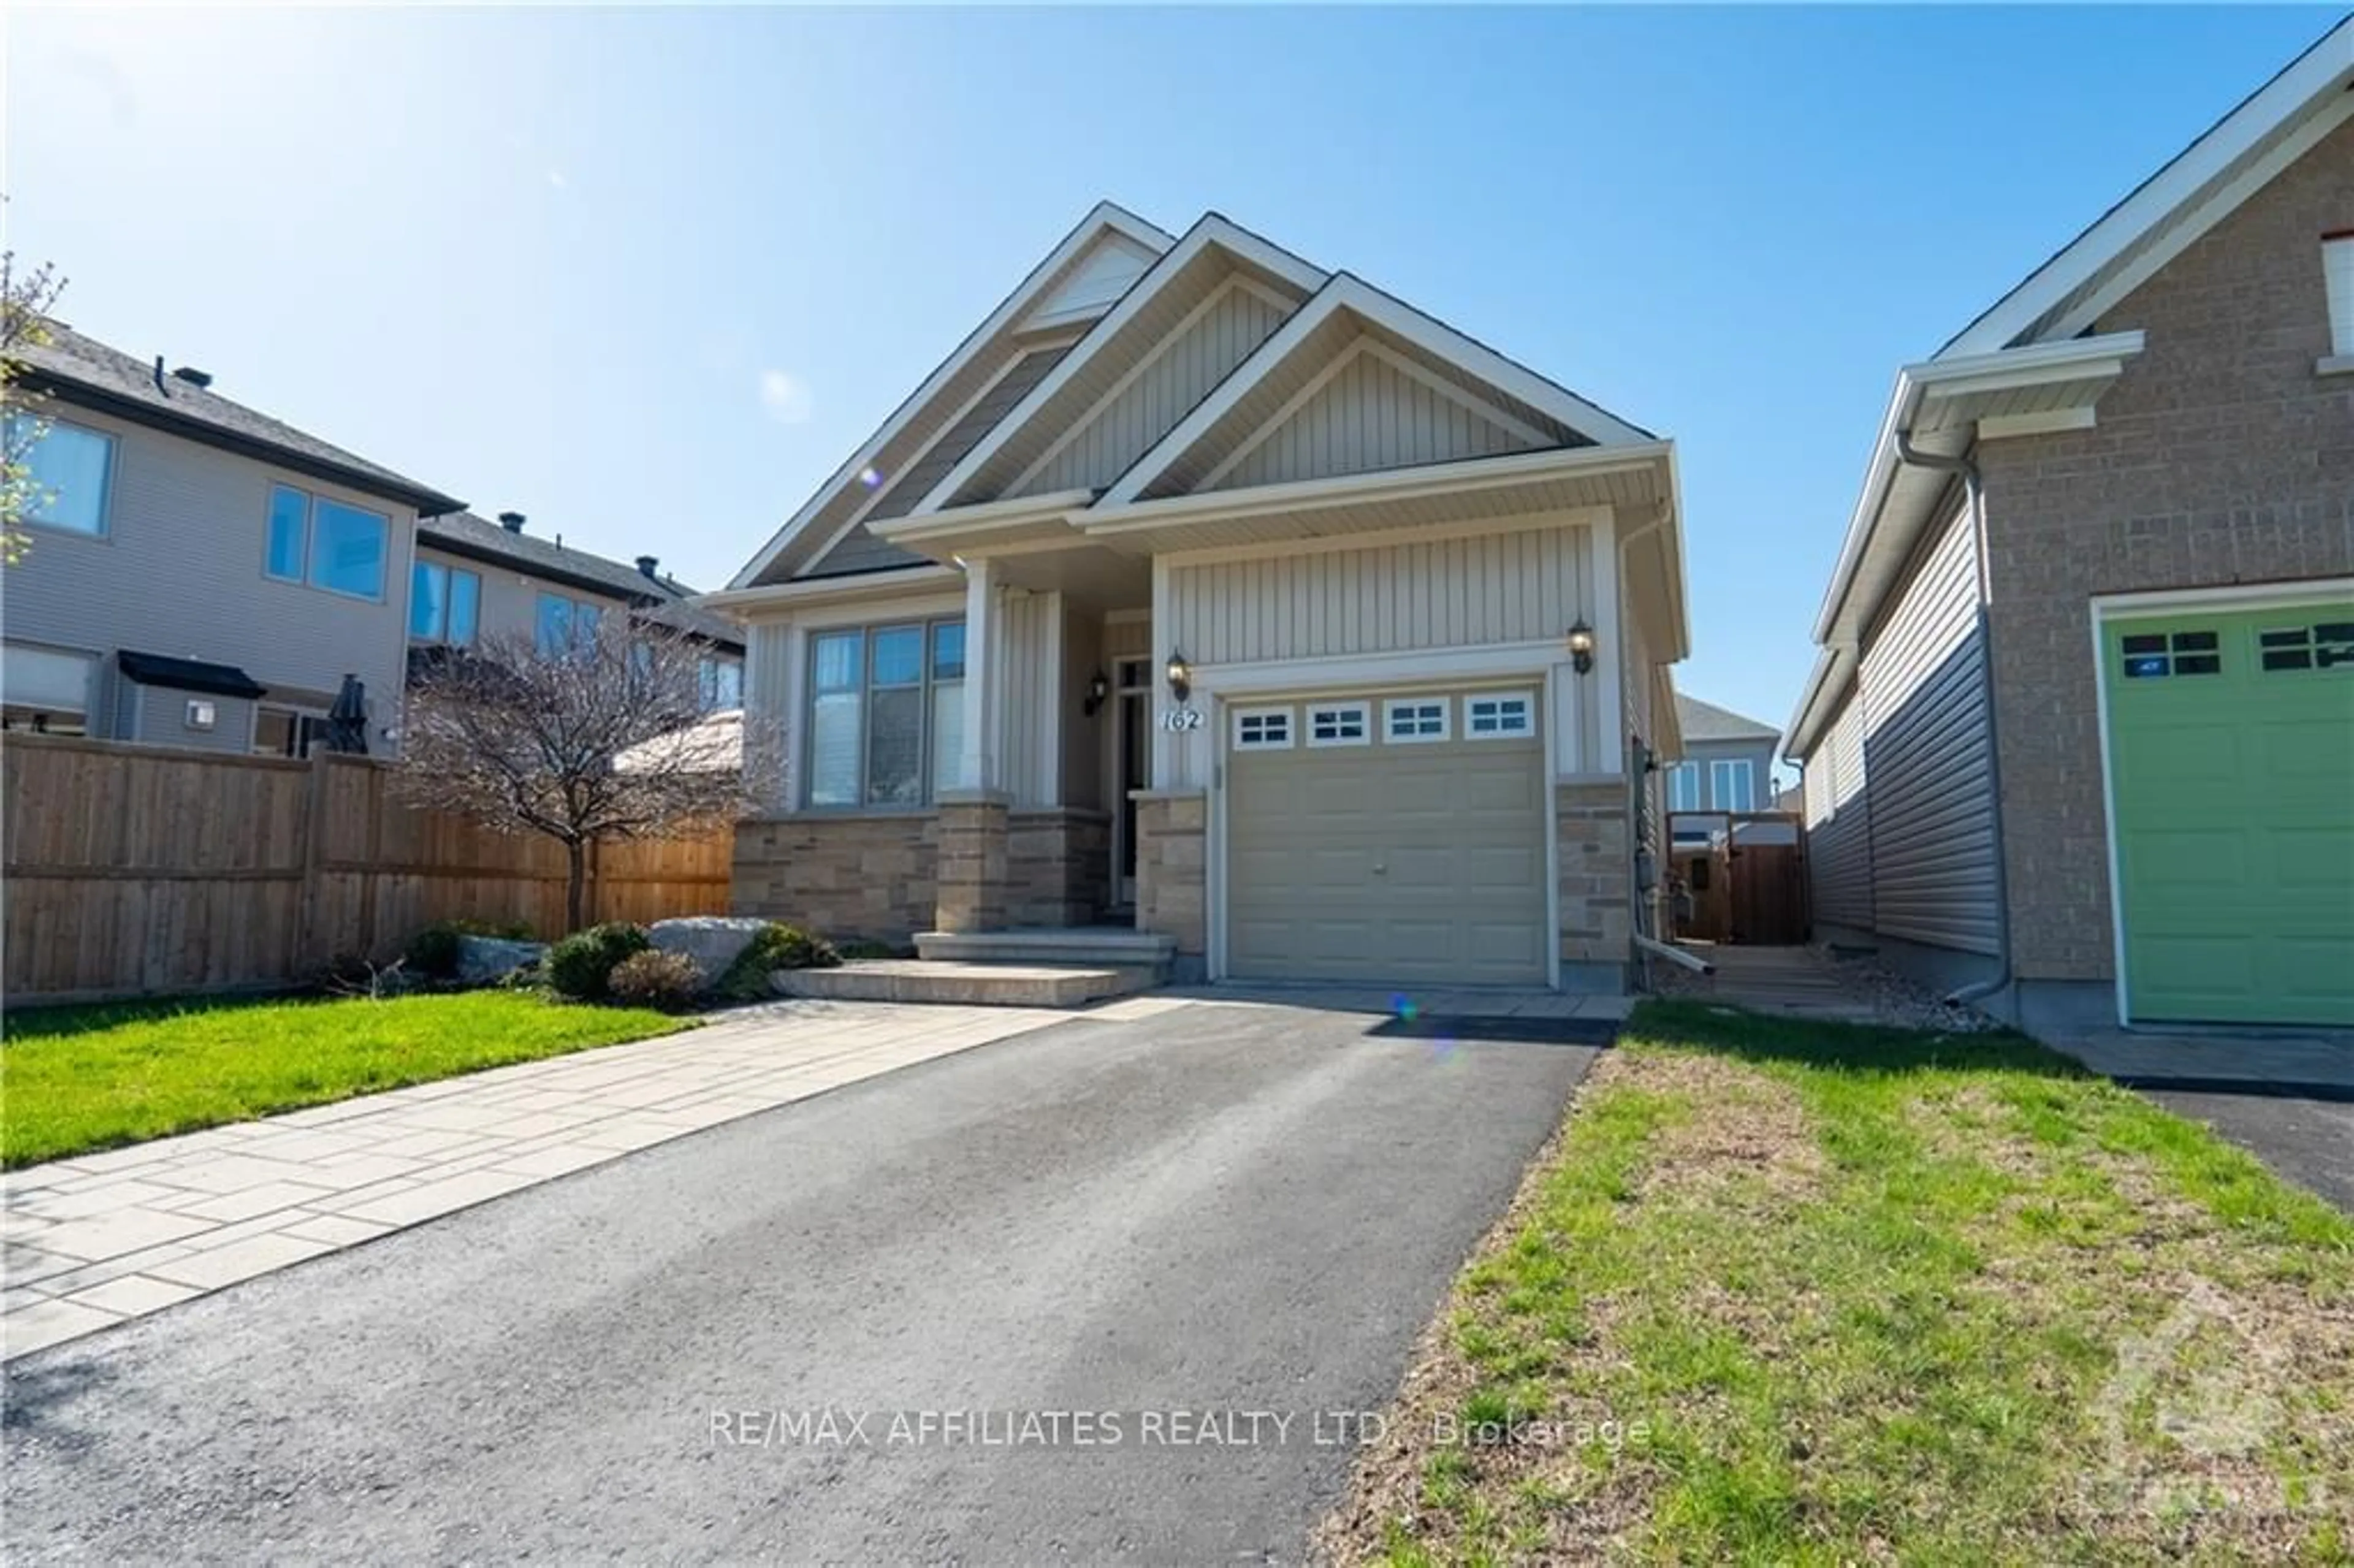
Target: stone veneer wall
pixel 1058 867
pixel 1172 861
pixel 1596 871
pixel 972 885
pixel 870 877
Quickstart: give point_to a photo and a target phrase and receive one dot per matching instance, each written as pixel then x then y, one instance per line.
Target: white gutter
pixel 1977 373
pixel 849 585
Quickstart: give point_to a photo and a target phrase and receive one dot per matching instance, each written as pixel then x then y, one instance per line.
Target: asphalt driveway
pixel 1230 1210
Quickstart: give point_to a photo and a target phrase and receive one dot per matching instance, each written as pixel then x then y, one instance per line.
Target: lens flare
pixel 870 477
pixel 1402 1007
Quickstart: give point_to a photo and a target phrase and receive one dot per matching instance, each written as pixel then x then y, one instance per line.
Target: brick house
pixel 1207 592
pixel 2079 738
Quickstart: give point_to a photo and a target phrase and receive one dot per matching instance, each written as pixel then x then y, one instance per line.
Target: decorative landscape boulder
pixel 711 940
pixel 482 960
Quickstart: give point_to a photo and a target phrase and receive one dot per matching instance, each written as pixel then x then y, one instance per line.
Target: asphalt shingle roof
pixel 1705 721
pixel 660 599
pixel 74 367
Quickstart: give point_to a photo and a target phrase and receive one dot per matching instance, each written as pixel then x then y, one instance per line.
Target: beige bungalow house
pixel 1209 592
pixel 2079 740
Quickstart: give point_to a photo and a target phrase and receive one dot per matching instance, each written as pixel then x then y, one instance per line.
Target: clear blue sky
pixel 649 276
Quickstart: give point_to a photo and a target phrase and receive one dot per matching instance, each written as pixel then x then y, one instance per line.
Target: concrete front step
pixel 968 985
pixel 1146 954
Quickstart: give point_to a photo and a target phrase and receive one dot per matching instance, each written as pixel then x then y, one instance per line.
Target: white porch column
pixel 984 677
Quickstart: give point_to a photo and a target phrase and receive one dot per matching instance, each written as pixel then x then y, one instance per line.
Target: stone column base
pixel 1597 874
pixel 972 861
pixel 1172 873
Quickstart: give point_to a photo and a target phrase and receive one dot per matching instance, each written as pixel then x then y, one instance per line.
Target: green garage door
pixel 2232 773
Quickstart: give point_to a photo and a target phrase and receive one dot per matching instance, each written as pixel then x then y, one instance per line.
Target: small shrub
pixel 433 952
pixel 655 979
pixel 777 946
pixel 579 966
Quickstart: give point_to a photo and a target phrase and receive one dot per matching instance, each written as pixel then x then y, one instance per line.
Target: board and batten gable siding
pixel 179 572
pixel 859 550
pixel 1163 391
pixel 1448 593
pixel 1839 821
pixel 1927 751
pixel 1370 416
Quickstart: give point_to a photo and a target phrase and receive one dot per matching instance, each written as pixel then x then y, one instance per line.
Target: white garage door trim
pixel 1561 696
pixel 2248 595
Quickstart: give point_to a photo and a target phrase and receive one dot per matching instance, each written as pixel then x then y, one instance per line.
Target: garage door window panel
pixel 1339 723
pixel 1505 715
pixel 2326 646
pixel 1262 729
pixel 1409 721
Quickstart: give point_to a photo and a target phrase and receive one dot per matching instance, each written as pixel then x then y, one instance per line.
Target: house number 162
pixel 1175 719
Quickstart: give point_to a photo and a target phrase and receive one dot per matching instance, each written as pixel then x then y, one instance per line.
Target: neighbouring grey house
pixel 476 578
pixel 2079 736
pixel 199 574
pixel 1727 764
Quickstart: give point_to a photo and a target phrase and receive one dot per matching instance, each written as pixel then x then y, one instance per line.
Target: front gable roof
pixel 1702 722
pixel 1346 318
pixel 953 385
pixel 1148 320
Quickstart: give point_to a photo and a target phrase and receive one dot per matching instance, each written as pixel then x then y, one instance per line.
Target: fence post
pixel 311 829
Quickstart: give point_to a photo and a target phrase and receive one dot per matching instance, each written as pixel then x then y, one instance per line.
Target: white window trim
pixel 1722 767
pixel 1690 769
pixel 929 686
pixel 1528 727
pixel 1363 711
pixel 1391 705
pixel 1290 729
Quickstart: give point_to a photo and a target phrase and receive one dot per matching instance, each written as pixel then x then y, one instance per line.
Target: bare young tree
pixel 26 299
pixel 606 739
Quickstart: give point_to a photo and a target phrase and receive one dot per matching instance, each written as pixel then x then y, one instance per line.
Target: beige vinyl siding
pixel 1499 588
pixel 859 549
pixel 1031 713
pixel 769 683
pixel 1163 391
pixel 1085 740
pixel 1926 744
pixel 180 572
pixel 1838 823
pixel 1131 639
pixel 1371 415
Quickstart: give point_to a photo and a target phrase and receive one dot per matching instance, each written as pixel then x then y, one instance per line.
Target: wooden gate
pixel 1769 894
pixel 1741 876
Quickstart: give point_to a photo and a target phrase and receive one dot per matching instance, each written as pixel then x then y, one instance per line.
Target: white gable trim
pixel 1104 285
pixel 1364 347
pixel 1106 219
pixel 1078 427
pixel 1213 231
pixel 1349 293
pixel 2304 88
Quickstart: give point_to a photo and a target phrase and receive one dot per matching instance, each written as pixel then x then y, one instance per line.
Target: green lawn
pixel 76 1079
pixel 1796 1293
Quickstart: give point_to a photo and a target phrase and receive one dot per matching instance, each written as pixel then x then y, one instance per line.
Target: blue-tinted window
pixel 428 600
pixel 70 467
pixel 465 606
pixel 290 531
pixel 348 549
pixel 948 651
pixel 552 629
pixel 899 656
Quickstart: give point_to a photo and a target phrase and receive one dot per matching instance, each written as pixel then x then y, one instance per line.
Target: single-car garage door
pixel 2231 781
pixel 1391 839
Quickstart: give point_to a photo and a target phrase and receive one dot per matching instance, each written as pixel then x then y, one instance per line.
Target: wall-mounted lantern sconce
pixel 1180 677
pixel 1099 688
pixel 1580 647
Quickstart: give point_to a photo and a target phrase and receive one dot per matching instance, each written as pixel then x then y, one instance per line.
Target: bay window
pixel 887 714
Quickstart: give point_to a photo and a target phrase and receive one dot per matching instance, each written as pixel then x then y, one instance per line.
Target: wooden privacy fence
pixel 140 871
